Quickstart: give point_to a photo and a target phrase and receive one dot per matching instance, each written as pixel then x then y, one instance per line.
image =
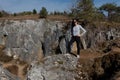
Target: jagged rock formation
pixel 26 39
pixel 12 68
pixel 22 42
pixel 30 40
pixel 6 75
pixel 104 67
pixel 57 67
pixel 68 67
pixel 96 35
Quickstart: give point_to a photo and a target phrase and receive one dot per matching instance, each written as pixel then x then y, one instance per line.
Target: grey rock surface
pixel 56 67
pixel 6 75
pixel 25 38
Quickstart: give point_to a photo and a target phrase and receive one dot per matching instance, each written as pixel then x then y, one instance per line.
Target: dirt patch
pixel 14 66
pixel 13 69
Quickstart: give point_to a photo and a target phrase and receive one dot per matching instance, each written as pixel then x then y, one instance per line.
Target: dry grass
pixel 86 53
pixel 25 17
pixel 14 66
pixel 36 17
pixel 59 18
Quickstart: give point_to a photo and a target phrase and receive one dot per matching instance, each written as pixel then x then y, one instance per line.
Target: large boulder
pixel 57 67
pixel 29 39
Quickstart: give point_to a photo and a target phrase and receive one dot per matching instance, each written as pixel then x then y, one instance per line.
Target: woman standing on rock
pixel 77 31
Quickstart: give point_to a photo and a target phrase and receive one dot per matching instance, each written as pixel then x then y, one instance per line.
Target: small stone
pixel 15 56
pixel 3 78
pixel 2 72
pixel 80 72
pixel 79 66
pixel 9 54
pixel 56 63
pixel 81 78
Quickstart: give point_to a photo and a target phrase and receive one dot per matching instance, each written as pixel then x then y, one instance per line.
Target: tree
pixel 15 14
pixel 43 13
pixel 110 8
pixel 1 14
pixel 64 13
pixel 116 15
pixel 118 9
pixel 51 13
pixel 4 13
pixel 85 5
pixel 83 9
pixel 34 11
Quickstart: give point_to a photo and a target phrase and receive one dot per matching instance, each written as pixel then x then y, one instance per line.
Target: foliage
pixel 113 11
pixel 43 13
pixel 115 17
pixel 34 11
pixel 85 10
pixel 4 13
pixel 15 14
pixel 1 14
pixel 110 8
pixel 117 9
pixel 86 5
pixel 59 13
pixel 25 13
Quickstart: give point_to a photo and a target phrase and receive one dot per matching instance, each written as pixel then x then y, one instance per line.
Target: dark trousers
pixel 77 40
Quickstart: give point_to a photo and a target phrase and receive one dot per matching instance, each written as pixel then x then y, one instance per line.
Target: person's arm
pixel 83 31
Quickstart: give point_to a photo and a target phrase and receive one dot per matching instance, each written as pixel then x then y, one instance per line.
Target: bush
pixel 14 14
pixel 1 14
pixel 34 11
pixel 43 13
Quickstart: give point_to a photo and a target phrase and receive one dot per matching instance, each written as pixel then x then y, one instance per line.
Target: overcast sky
pixel 51 5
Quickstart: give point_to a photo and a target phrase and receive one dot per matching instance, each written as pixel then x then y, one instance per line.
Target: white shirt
pixel 77 30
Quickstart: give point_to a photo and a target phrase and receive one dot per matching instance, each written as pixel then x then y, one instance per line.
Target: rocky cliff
pixel 99 33
pixel 29 37
pixel 26 39
pixel 24 42
pixel 105 66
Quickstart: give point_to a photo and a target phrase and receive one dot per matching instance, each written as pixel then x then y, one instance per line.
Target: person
pixel 77 31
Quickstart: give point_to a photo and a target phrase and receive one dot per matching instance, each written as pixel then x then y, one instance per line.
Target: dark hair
pixel 73 24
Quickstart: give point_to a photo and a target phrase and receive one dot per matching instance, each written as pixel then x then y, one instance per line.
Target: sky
pixel 51 5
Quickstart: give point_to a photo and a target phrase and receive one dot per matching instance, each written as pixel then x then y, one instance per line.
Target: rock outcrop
pixel 57 67
pixel 6 75
pixel 97 35
pixel 104 67
pixel 30 40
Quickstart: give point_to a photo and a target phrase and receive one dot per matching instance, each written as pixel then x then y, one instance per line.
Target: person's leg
pixel 78 45
pixel 70 43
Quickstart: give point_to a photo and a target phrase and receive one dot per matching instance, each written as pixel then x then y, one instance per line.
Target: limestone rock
pixel 5 75
pixel 56 67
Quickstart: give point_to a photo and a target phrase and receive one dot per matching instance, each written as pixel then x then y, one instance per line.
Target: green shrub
pixel 43 13
pixel 1 14
pixel 34 11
